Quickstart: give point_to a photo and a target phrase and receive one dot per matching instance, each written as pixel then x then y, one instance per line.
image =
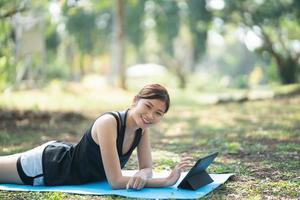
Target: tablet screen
pixel 202 164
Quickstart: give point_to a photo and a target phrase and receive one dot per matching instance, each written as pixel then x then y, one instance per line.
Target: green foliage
pixel 271 21
pixel 167 24
pixel 273 74
pixel 199 22
pixel 91 28
pixel 9 7
pixel 7 62
pixel 89 32
pixel 237 63
pixel 81 24
pixel 57 71
pixel 134 19
pixel 52 38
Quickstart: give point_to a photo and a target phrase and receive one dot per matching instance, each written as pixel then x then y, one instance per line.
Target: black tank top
pixel 66 164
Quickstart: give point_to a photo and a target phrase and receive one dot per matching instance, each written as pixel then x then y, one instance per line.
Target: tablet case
pixel 198 179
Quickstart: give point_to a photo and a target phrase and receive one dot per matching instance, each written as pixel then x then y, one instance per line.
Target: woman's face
pixel 148 112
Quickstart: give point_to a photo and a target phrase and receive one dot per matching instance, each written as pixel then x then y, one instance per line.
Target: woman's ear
pixel 134 102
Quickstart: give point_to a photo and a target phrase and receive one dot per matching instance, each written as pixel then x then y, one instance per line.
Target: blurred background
pixel 208 51
pixel 186 43
pixel 62 62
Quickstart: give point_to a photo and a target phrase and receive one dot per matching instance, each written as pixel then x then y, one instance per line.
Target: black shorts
pixel 30 167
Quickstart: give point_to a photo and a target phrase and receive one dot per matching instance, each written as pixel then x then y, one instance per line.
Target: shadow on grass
pixel 258 141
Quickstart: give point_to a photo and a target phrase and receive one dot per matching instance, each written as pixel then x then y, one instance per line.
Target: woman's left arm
pixel 143 178
pixel 144 154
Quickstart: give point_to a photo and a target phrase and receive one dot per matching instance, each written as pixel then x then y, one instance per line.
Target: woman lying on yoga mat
pixel 102 151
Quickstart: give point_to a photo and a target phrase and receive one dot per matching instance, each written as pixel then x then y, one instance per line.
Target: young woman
pixel 102 151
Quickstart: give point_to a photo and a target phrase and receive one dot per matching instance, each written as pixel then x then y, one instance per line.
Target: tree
pixel 277 24
pixel 167 24
pixel 8 8
pixel 23 51
pixel 134 31
pixel 118 52
pixel 199 21
pixel 81 24
pixel 172 19
pixel 89 25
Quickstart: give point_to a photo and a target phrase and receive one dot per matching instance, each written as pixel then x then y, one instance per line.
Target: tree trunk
pixel 81 65
pixel 179 71
pixel 182 80
pixel 287 70
pixel 118 66
pixel 287 66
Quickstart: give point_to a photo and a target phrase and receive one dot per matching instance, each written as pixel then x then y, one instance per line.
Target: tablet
pixel 197 176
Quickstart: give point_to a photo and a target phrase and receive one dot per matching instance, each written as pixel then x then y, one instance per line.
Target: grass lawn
pixel 259 141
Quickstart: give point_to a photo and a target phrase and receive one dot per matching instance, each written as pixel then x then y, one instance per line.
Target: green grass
pixel 259 141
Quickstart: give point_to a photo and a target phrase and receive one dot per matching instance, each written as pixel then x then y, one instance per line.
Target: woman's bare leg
pixel 8 169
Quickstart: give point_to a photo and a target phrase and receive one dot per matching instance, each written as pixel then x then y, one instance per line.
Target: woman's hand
pixel 141 178
pixel 184 163
pixel 138 181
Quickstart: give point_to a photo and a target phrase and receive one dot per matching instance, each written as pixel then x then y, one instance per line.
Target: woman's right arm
pixel 104 133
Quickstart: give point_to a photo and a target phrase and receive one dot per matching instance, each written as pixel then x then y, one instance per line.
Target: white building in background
pixel 146 69
pixel 29 42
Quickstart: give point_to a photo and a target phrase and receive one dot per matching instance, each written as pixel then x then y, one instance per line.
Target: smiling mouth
pixel 145 121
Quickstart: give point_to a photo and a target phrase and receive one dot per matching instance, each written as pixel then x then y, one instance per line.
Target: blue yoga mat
pixel 103 188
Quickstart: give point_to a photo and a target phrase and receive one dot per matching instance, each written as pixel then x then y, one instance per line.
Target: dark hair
pixel 154 91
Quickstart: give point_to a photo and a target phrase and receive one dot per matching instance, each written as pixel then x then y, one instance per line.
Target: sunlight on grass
pixel 282 188
pixel 164 160
pixel 178 129
pixel 258 141
pixel 9 138
pixel 288 148
pixel 287 164
pixel 233 147
pixel 53 99
pixel 255 148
